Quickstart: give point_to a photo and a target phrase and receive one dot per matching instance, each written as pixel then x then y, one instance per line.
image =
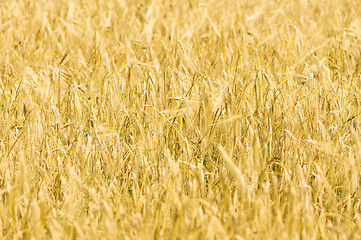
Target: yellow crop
pixel 199 119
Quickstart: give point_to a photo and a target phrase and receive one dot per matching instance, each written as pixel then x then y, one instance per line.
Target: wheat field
pixel 199 119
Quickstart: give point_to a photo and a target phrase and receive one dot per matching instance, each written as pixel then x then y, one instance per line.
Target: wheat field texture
pixel 216 119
